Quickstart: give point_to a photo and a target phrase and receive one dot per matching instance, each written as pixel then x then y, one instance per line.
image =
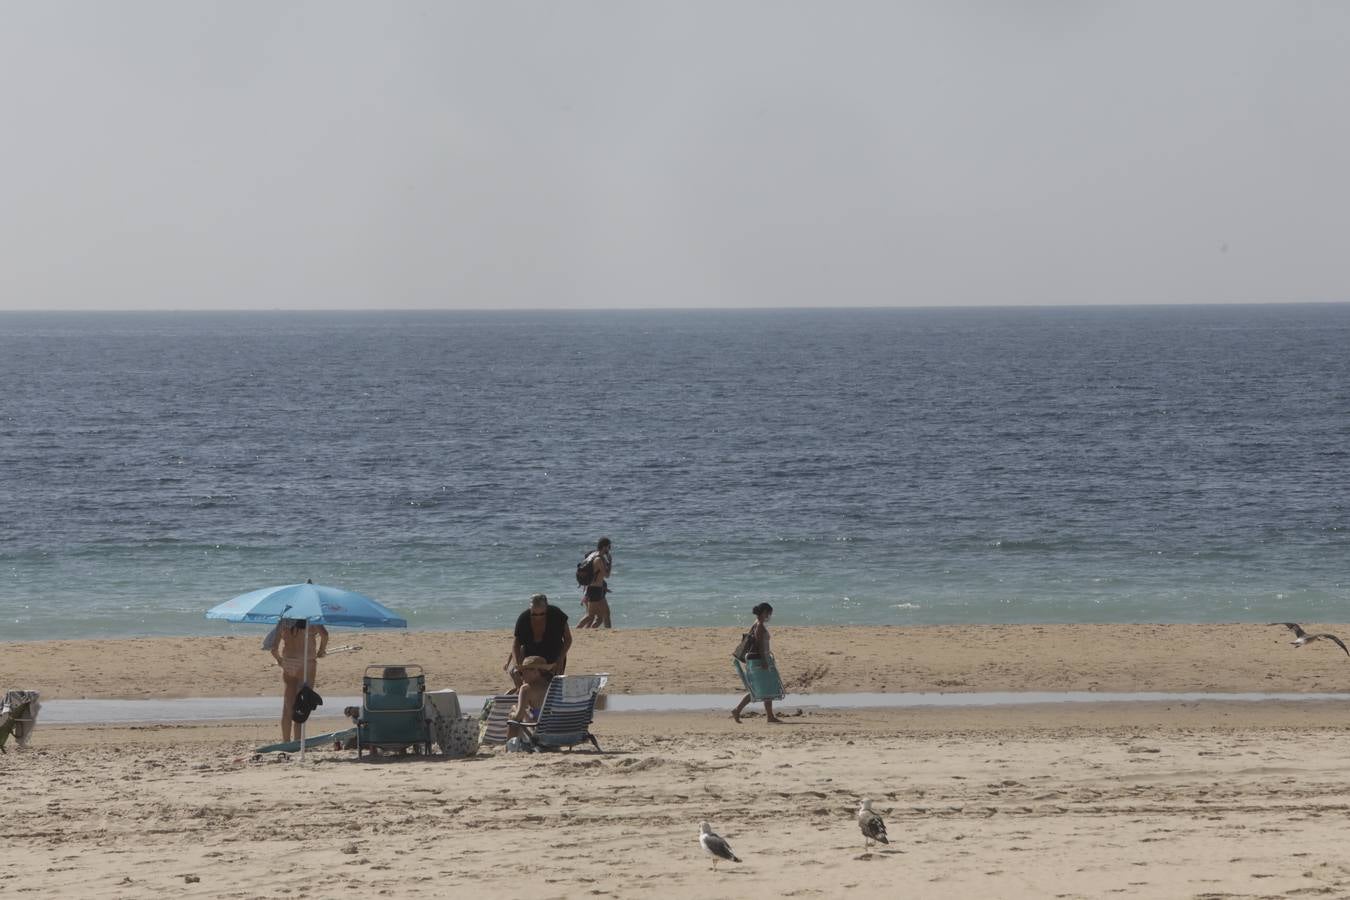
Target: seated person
pixel 393 690
pixel 535 673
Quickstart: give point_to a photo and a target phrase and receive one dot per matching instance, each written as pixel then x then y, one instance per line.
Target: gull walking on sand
pixel 1302 637
pixel 714 845
pixel 873 828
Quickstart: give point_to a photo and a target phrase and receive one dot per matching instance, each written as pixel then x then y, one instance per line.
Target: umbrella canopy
pixel 318 603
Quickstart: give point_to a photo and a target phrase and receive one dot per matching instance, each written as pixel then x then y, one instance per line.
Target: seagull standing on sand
pixel 1302 637
pixel 873 828
pixel 714 844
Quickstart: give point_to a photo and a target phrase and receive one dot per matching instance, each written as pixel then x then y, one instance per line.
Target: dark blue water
pixel 897 466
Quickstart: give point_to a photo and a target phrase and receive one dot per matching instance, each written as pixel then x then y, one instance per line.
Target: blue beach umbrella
pixel 317 604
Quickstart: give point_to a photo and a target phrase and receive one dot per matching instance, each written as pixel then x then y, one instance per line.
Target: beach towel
pixel 316 741
pixel 762 683
pixel 580 687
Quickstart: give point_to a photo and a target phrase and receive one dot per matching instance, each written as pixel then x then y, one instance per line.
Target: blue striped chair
pixel 496 713
pixel 566 716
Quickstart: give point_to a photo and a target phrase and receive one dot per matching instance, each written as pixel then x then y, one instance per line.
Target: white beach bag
pixel 458 737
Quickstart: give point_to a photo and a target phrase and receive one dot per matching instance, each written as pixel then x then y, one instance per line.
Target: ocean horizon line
pixel 414 310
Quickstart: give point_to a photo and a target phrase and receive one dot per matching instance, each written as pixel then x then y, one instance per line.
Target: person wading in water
pixel 595 596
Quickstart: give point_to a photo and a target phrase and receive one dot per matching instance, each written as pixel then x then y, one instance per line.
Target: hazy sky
pixel 178 154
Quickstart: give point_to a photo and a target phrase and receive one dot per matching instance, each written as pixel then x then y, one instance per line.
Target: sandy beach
pixel 1111 658
pixel 1138 800
pixel 1174 799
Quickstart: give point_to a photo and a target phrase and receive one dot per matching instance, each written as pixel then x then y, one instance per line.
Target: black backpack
pixel 306 701
pixel 586 570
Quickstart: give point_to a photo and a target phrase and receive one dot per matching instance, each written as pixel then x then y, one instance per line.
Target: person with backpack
pixel 593 577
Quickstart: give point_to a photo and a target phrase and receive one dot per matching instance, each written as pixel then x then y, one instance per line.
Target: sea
pixel 849 466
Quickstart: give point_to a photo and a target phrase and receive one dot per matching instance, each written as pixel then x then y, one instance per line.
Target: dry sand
pixel 1217 799
pixel 1137 800
pixel 1223 658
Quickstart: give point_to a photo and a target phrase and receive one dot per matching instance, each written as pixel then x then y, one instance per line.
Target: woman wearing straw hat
pixel 535 673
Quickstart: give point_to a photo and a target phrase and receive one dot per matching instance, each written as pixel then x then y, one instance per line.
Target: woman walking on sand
pixel 757 671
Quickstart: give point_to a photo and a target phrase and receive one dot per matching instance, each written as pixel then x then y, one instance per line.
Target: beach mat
pixel 762 683
pixel 317 740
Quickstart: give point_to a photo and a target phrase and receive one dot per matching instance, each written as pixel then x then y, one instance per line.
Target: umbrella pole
pixel 304 680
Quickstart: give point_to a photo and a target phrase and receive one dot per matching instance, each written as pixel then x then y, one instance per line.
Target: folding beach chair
pixel 565 718
pixel 496 712
pixel 18 717
pixel 393 714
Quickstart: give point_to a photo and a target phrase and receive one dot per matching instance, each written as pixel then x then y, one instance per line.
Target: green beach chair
pixel 393 710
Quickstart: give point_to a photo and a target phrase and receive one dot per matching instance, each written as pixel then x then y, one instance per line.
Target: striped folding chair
pixel 496 712
pixel 18 717
pixel 566 716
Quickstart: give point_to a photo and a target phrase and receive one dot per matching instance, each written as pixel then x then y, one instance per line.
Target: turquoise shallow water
pixel 898 466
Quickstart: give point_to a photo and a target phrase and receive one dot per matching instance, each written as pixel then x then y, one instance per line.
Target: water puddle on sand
pixel 206 709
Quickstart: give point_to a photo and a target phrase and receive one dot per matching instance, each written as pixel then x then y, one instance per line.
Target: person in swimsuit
pixel 535 674
pixel 759 656
pixel 289 650
pixel 595 599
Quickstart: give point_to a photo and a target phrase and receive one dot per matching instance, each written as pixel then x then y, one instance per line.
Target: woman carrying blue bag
pixel 754 663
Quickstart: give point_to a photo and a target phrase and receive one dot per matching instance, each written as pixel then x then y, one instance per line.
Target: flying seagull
pixel 873 828
pixel 714 844
pixel 1302 637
